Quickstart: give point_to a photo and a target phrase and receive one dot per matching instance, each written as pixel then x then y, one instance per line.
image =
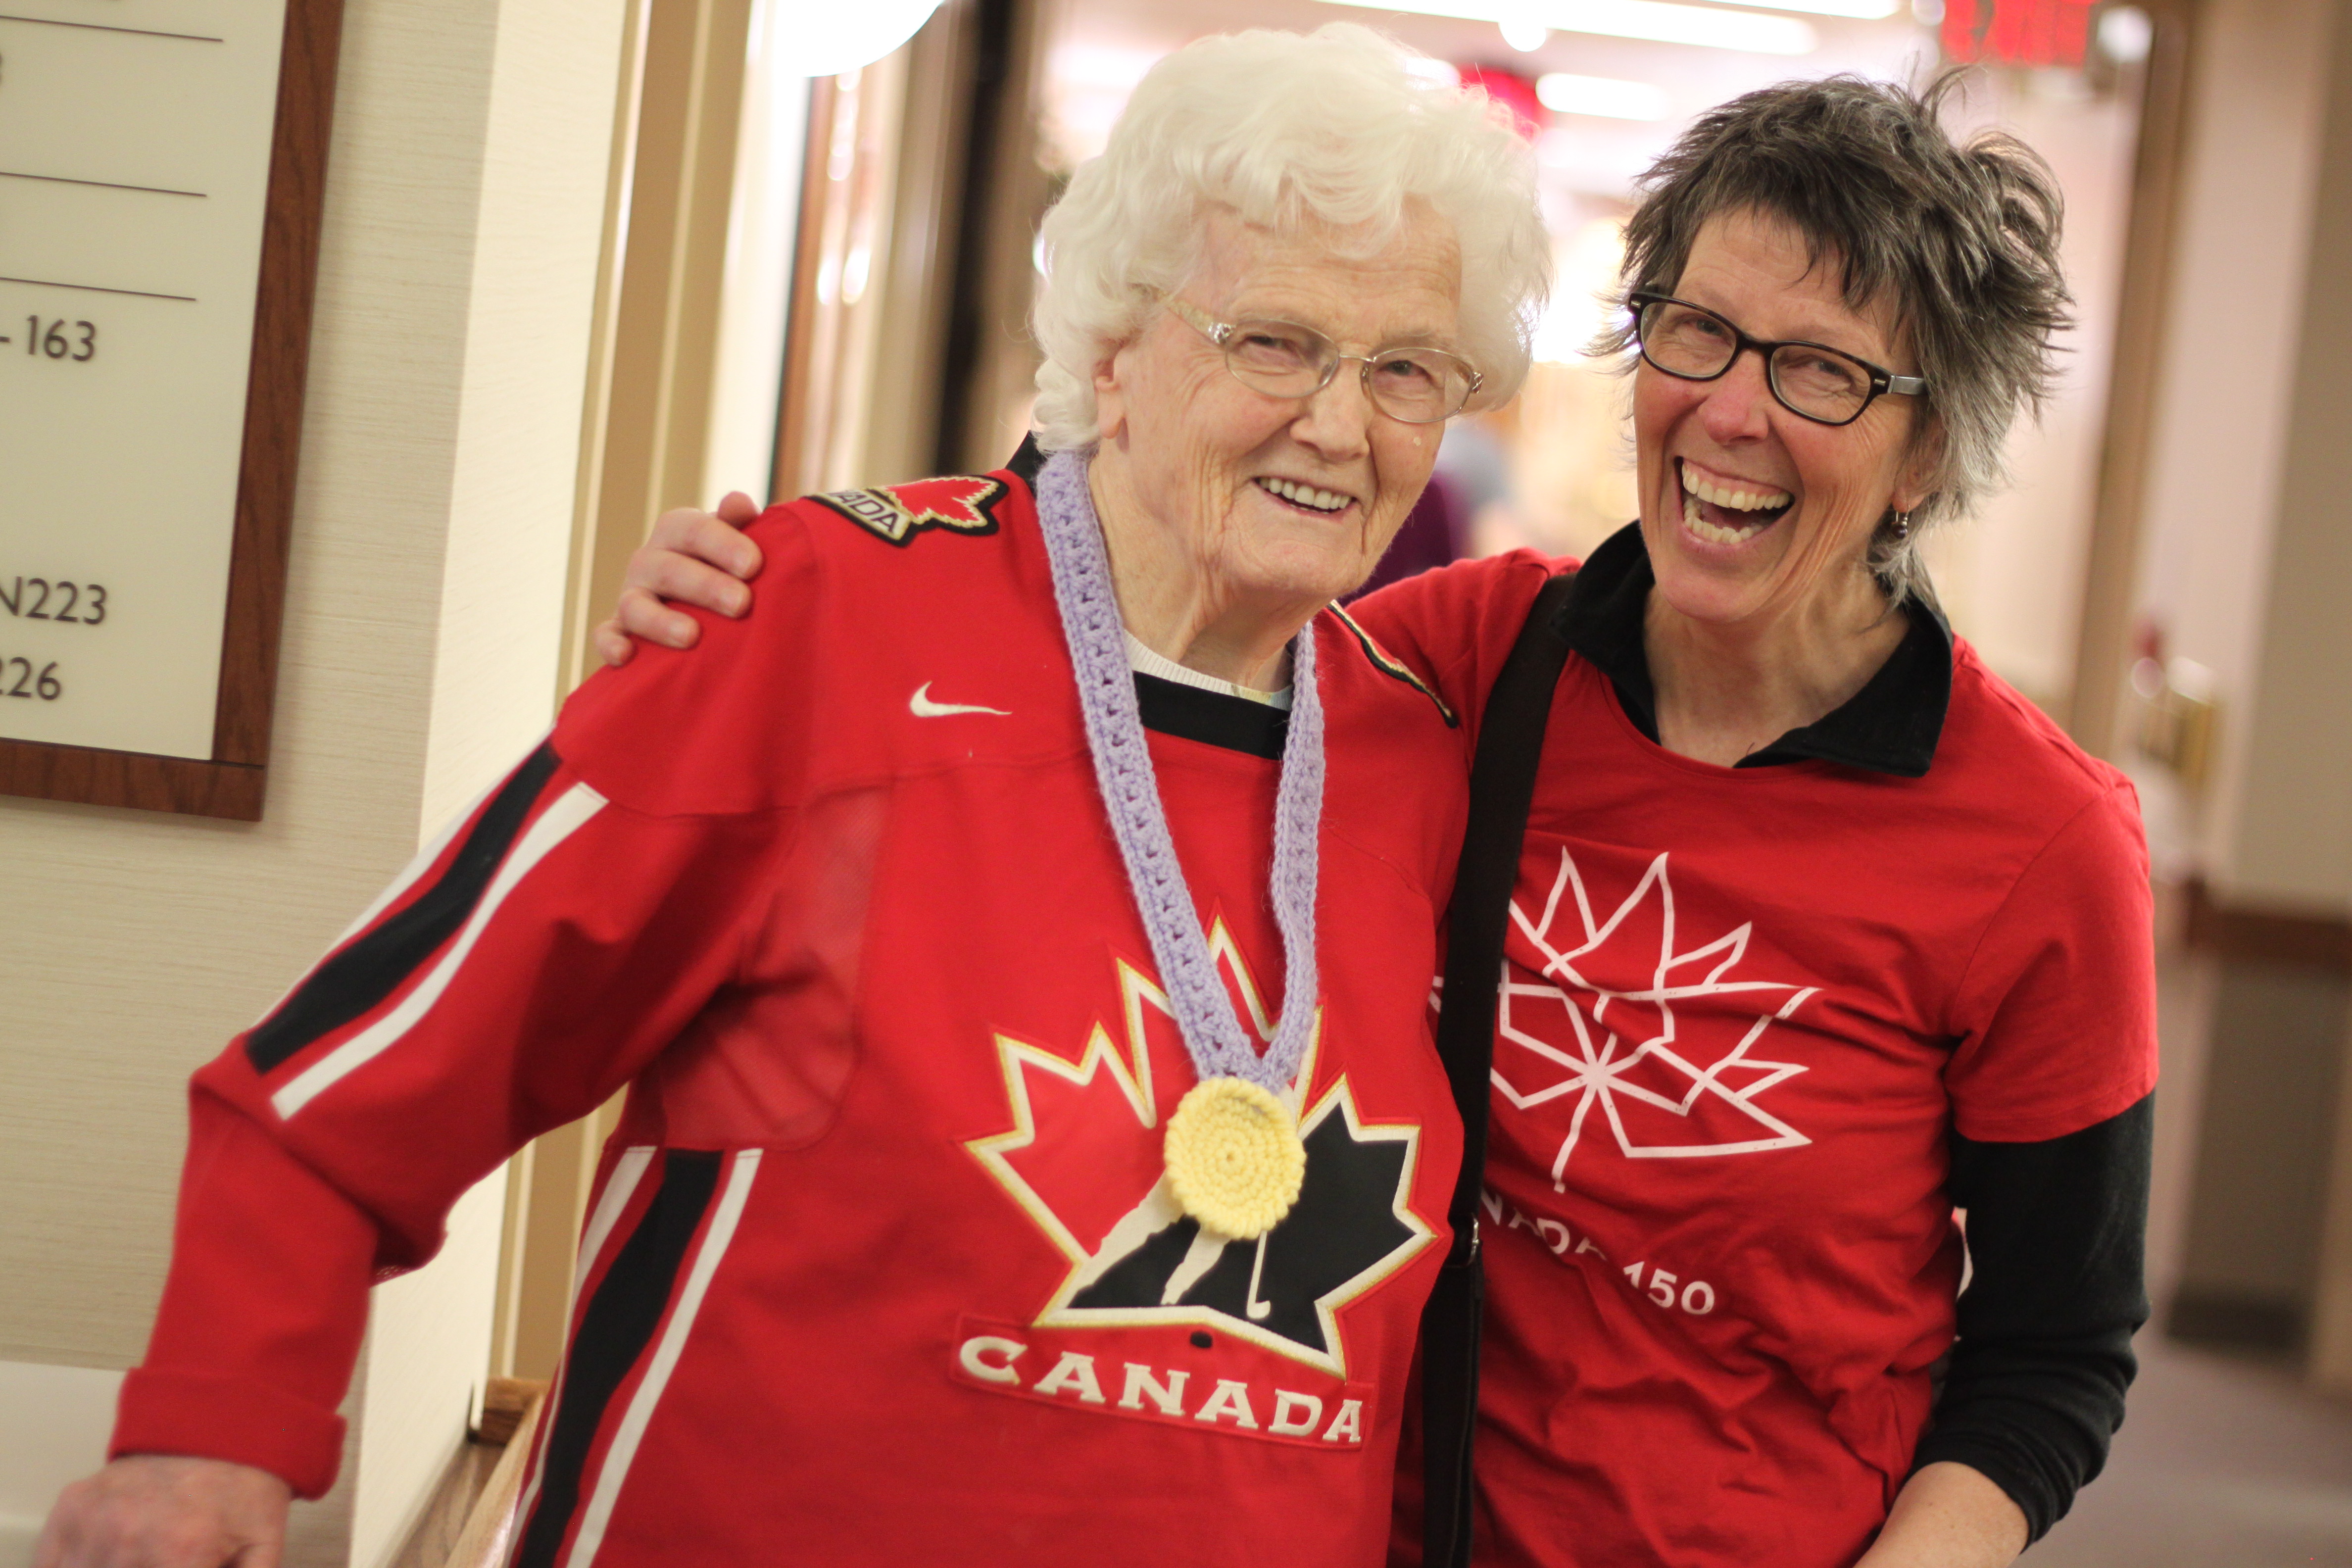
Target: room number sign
pixel 161 164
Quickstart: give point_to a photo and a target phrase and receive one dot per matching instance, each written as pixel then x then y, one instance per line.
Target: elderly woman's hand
pixel 692 557
pixel 161 1510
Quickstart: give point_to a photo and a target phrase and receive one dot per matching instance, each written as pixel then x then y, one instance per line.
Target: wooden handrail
pixel 489 1528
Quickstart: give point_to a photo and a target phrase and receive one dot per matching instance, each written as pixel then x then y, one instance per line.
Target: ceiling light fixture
pixel 1858 10
pixel 1661 21
pixel 1563 92
pixel 826 40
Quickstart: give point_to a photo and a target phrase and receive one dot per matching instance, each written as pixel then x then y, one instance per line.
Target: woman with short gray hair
pixel 1965 237
pixel 1821 931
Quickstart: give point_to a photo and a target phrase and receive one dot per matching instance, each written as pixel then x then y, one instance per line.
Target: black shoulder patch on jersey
pixel 1023 464
pixel 1387 664
pixel 961 504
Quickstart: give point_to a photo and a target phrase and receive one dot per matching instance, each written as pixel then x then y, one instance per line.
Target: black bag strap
pixel 1502 787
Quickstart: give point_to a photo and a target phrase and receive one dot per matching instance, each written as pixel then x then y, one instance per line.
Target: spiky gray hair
pixel 1960 237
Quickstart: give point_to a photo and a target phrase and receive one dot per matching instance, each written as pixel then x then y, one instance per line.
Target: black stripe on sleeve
pixel 614 1336
pixel 2056 1237
pixel 358 978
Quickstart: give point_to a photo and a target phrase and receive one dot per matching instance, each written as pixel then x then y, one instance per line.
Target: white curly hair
pixel 1341 127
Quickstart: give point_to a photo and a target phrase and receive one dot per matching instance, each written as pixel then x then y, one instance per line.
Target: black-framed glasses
pixel 1411 385
pixel 1827 385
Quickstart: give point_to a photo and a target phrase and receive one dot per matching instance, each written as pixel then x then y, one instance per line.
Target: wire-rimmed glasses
pixel 1412 385
pixel 1827 385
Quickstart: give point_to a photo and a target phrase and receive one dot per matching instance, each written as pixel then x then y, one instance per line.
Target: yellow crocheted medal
pixel 1234 1158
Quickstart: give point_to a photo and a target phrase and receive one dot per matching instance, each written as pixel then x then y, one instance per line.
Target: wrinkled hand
pixel 676 562
pixel 1949 1515
pixel 158 1510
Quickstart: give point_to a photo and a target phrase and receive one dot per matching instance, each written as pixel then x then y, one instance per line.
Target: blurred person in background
pixel 1822 932
pixel 994 950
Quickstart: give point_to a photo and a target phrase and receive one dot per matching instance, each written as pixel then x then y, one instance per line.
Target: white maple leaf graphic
pixel 1599 1027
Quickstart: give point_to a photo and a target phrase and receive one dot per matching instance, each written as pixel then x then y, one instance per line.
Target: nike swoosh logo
pixel 921 706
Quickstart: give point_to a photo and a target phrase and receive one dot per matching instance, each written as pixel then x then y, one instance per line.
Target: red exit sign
pixel 2017 31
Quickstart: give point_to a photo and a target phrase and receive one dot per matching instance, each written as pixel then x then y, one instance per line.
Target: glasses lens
pixel 1420 387
pixel 1820 383
pixel 1683 341
pixel 1287 360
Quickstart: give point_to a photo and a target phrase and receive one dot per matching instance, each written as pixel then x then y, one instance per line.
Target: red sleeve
pixel 516 974
pixel 262 1312
pixel 2056 1012
pixel 1455 626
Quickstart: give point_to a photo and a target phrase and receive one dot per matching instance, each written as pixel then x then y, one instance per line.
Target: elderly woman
pixel 1822 932
pixel 1033 920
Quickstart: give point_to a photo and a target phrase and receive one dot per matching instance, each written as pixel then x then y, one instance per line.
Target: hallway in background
pixel 2228 1457
pixel 2225 1461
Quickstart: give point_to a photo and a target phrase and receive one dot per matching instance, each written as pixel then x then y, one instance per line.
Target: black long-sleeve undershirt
pixel 2034 1388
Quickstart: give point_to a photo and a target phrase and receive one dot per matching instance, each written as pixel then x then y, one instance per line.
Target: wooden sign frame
pixel 232 781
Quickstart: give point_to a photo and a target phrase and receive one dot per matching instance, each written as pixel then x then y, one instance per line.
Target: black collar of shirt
pixel 1890 726
pixel 1214 718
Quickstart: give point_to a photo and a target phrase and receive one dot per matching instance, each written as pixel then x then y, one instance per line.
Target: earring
pixel 1901 525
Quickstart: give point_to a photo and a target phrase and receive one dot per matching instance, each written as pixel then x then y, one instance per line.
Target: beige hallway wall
pixel 2247 572
pixel 2259 104
pixel 465 202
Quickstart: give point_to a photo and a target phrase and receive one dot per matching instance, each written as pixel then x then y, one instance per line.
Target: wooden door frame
pixel 644 424
pixel 2102 646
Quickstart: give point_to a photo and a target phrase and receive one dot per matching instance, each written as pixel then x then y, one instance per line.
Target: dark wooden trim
pixel 232 784
pixel 282 362
pixel 136 779
pixel 2267 936
pixel 506 1401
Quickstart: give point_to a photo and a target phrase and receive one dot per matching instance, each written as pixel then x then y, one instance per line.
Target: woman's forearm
pixel 1950 1516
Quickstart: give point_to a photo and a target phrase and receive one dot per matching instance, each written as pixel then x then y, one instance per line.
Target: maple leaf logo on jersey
pixel 1615 1015
pixel 1083 1160
pixel 962 503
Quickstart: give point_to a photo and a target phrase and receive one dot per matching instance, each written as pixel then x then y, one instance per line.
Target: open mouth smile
pixel 1725 511
pixel 1306 498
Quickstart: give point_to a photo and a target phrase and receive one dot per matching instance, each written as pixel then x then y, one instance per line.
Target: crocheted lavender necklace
pixel 1235 1161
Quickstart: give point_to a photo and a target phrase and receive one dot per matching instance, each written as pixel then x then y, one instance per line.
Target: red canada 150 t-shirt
pixel 1742 1007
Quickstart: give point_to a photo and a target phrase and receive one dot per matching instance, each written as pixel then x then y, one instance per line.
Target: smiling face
pixel 1277 501
pixel 1753 513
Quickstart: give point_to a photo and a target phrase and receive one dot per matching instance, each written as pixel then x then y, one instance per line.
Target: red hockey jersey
pixel 878 1269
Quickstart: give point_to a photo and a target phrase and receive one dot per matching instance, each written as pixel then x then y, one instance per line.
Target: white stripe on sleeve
pixel 627 1172
pixel 383 900
pixel 556 824
pixel 632 1430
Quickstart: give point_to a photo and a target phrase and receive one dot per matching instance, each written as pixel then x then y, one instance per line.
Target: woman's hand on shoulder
pixel 161 1510
pixel 692 557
